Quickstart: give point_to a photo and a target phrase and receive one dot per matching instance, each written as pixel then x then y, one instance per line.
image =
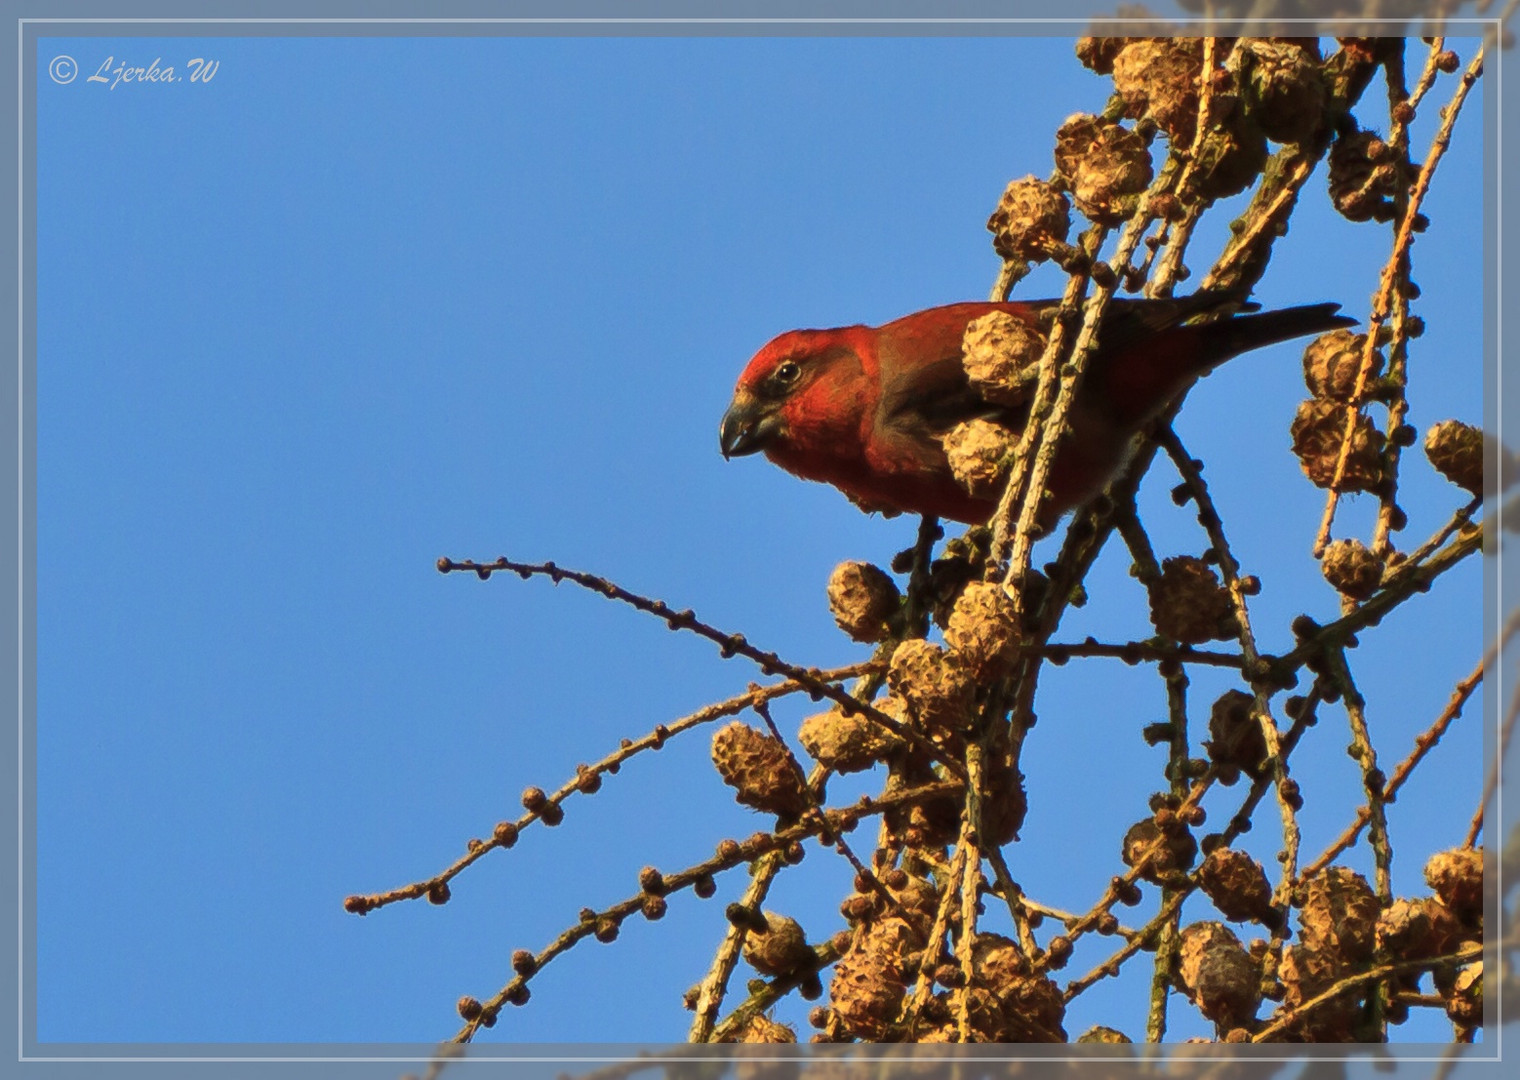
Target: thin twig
pixel 1136 652
pixel 1373 782
pixel 1042 407
pixel 772 991
pixel 1287 1017
pixel 714 986
pixel 913 1003
pixel 729 855
pixel 1395 270
pixel 588 777
pixel 728 644
pixel 1239 822
pixel 1422 746
pixel 1410 577
pixel 1208 517
pixel 1491 782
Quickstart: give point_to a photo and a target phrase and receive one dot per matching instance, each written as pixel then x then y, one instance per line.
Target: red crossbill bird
pixel 865 408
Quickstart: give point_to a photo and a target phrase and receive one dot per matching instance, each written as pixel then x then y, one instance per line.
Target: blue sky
pixel 356 303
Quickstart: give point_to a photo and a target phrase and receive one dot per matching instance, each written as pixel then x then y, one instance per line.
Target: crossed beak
pixel 747 427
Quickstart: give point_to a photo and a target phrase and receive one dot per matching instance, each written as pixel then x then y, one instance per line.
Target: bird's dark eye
pixel 787 371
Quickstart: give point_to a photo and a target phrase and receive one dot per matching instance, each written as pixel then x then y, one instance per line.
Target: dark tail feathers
pixel 1233 336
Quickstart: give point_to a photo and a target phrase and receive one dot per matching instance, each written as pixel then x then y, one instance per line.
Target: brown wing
pixel 925 391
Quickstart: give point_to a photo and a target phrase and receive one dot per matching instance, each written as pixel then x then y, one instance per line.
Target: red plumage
pixel 864 408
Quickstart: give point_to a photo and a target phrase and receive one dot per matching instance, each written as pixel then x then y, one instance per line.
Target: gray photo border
pixel 638 17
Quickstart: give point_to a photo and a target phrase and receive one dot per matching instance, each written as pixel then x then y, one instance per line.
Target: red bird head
pixel 807 388
pixel 812 401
